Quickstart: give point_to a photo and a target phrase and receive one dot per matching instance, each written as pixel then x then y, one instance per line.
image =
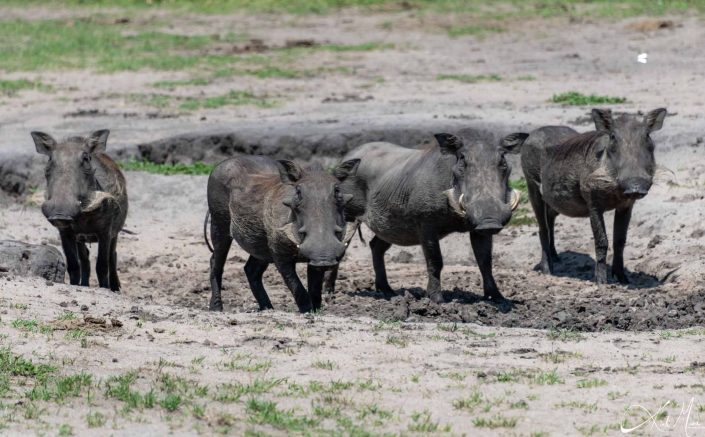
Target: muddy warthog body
pixel 86 200
pixel 584 175
pixel 459 183
pixel 279 213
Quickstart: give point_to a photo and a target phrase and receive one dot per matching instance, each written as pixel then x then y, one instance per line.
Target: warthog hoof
pixel 386 290
pixel 543 267
pixel 621 277
pixel 437 297
pixel 600 277
pixel 305 308
pixel 216 306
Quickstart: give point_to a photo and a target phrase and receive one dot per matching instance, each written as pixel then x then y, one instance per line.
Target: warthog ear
pixel 43 142
pixel 448 143
pixel 289 171
pixel 98 141
pixel 603 119
pixel 512 143
pixel 654 119
pixel 346 169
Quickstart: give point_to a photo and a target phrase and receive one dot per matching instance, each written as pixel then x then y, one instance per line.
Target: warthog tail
pixel 205 231
pixel 359 233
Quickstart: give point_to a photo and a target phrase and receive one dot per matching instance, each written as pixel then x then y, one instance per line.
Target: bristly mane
pixel 581 143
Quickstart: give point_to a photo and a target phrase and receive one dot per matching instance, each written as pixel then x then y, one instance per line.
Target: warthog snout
pixel 635 188
pixel 59 216
pixel 319 257
pixel 487 217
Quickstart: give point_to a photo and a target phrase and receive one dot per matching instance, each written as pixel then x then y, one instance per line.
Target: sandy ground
pixel 526 364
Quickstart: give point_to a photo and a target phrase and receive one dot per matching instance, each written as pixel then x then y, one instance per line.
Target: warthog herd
pixel 283 214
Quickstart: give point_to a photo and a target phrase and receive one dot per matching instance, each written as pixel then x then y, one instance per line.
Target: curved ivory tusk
pixel 453 202
pixel 291 234
pixel 350 229
pixel 460 202
pixel 96 200
pixel 516 197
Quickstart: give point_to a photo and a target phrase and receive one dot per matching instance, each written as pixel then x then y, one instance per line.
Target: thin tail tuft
pixel 205 231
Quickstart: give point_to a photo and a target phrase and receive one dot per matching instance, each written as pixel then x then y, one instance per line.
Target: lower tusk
pixel 460 201
pixel 516 197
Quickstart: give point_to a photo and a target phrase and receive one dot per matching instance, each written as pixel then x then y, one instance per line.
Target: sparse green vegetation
pixel 470 78
pixel 469 403
pixel 613 395
pixel 171 402
pixel 197 168
pixel 65 430
pixel 267 412
pixel 591 383
pixel 564 335
pixel 575 98
pixel 477 30
pixel 232 98
pixel 579 405
pixel 422 422
pixel 397 341
pixel 246 364
pixel 180 83
pixel 324 364
pixel 505 9
pixel 496 421
pixel 12 87
pixel 95 419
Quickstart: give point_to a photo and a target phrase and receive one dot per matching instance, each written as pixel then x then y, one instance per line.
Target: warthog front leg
pixel 288 272
pixel 597 221
pixel 68 243
pixel 434 264
pixel 254 269
pixel 102 266
pixel 621 224
pixel 379 247
pixel 329 278
pixel 314 277
pixel 114 280
pixel 482 248
pixel 84 259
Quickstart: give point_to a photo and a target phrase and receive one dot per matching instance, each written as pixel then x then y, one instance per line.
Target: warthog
pixel 86 200
pixel 584 175
pixel 459 183
pixel 279 213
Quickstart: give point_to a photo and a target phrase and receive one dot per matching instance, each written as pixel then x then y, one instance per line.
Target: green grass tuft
pixel 577 99
pixel 233 98
pixel 497 421
pixel 470 78
pixel 458 31
pixel 267 413
pixel 591 383
pixel 12 87
pixel 197 168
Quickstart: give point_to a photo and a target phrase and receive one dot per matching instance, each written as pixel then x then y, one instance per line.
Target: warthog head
pixel 317 210
pixel 627 153
pixel 481 191
pixel 71 184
